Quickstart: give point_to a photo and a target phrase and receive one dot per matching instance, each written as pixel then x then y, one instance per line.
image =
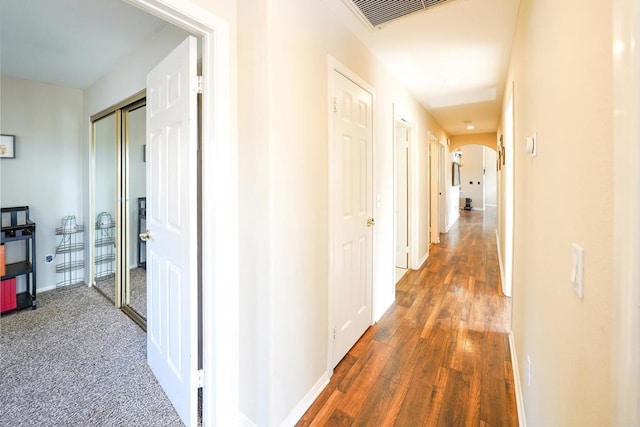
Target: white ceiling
pixel 453 57
pixel 70 43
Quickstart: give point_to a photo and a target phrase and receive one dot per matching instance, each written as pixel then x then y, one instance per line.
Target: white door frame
pixel 220 274
pixel 402 121
pixel 434 176
pixel 442 189
pixel 333 66
pixel 508 189
pixel 626 213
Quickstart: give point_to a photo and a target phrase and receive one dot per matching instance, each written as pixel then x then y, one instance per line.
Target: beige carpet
pixel 77 361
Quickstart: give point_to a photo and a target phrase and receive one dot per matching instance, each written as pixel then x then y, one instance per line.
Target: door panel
pixel 352 195
pixel 402 197
pixel 172 314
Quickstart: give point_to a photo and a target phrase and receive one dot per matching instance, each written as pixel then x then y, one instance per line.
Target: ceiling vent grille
pixel 378 12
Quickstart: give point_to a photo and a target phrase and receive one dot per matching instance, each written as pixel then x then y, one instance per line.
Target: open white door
pixel 442 190
pixel 402 195
pixel 172 279
pixel 434 189
pixel 352 207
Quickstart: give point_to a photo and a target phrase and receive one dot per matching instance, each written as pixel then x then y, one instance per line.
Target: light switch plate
pixel 531 145
pixel 577 270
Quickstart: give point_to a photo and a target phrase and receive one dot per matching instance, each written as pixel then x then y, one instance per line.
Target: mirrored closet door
pixel 119 206
pixel 105 145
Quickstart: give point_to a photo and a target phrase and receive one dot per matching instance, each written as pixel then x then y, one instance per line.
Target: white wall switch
pixel 577 270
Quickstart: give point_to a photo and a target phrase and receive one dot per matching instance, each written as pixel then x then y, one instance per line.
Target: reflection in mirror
pixel 135 125
pixel 105 143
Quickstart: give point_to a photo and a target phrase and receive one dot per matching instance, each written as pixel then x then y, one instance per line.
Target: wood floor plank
pixel 378 403
pixel 325 410
pixel 436 398
pixel 362 384
pixel 440 354
pixel 455 399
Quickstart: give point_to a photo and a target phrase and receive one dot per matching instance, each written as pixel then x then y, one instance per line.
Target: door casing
pixel 402 214
pixel 220 274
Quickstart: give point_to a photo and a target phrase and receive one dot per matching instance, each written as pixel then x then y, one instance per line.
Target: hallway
pixel 440 355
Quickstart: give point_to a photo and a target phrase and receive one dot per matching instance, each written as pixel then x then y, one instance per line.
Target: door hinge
pixel 200 378
pixel 406 249
pixel 198 84
pixel 335 332
pixel 335 105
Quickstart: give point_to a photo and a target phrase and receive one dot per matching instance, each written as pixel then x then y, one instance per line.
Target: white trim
pixel 244 421
pixel 453 221
pixel 334 65
pixel 499 257
pixel 626 229
pixel 220 274
pixel 491 206
pixel 410 127
pixel 434 189
pixel 522 419
pixel 422 261
pixel 306 402
pixel 450 226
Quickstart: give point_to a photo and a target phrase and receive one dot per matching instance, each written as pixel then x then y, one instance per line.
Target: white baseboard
pixel 490 205
pixel 306 401
pixel 244 421
pixel 40 290
pixel 500 260
pixel 453 222
pixel 45 289
pixel 522 419
pixel 422 261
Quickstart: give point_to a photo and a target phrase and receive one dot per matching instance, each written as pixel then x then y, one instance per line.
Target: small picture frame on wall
pixel 7 146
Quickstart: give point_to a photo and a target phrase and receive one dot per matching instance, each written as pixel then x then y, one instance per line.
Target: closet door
pixel 105 192
pixel 134 284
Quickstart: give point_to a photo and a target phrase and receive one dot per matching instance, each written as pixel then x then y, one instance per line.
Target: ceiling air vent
pixel 378 12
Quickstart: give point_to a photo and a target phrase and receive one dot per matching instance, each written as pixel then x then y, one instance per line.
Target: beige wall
pixel 488 139
pixel 562 74
pixel 283 133
pixel 472 177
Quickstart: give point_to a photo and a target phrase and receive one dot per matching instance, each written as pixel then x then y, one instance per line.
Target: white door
pixel 172 279
pixel 402 196
pixel 352 210
pixel 442 200
pixel 434 232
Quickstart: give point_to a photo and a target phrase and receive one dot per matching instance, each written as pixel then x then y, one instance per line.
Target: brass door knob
pixel 371 222
pixel 145 236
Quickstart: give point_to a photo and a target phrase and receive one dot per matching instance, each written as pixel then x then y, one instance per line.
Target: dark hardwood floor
pixel 440 355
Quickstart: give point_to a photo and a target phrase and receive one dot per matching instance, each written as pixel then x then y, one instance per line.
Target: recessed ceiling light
pixel 470 127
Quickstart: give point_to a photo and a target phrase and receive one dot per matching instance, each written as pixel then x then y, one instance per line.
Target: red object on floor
pixel 8 295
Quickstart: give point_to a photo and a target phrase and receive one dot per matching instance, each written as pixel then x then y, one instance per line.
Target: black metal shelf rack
pixel 17 227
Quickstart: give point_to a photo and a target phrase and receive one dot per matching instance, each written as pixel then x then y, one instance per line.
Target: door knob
pixel 371 222
pixel 145 236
